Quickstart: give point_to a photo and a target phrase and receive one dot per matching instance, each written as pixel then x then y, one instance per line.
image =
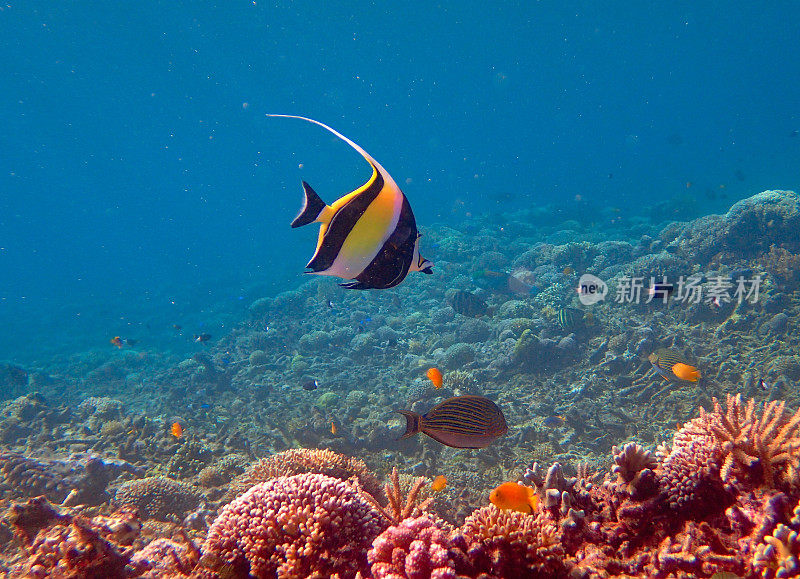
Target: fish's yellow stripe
pixel 368 234
pixel 333 208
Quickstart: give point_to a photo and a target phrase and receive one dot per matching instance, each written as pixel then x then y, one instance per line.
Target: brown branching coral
pixel 306 460
pixel 399 510
pixel 59 544
pixel 768 445
pixel 720 452
pixel 501 544
pixel 779 555
pixel 634 467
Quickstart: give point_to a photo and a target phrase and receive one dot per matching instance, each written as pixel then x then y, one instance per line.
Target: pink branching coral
pixel 779 555
pixel 734 448
pixel 297 526
pixel 689 471
pixel 415 548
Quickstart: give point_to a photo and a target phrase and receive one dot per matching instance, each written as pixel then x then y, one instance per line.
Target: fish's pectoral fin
pixel 313 207
pixel 356 285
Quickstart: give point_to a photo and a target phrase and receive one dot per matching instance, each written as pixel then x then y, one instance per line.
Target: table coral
pixel 306 460
pixel 158 497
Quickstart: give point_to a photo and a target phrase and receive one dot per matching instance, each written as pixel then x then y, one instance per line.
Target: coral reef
pixel 158 497
pixel 303 460
pixel 418 548
pixel 298 526
pixel 503 544
pixel 65 545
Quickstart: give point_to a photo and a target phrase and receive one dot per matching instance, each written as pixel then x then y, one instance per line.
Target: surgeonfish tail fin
pixel 313 206
pixel 412 423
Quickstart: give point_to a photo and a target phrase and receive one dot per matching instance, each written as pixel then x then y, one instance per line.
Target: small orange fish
pixel 568 270
pixel 439 483
pixel 435 376
pixel 516 497
pixel 116 341
pixel 686 372
pixel 334 430
pixel 176 430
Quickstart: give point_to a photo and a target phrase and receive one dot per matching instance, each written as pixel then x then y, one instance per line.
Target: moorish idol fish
pixel 369 235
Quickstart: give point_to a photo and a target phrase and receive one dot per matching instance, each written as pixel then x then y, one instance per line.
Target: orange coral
pixel 398 510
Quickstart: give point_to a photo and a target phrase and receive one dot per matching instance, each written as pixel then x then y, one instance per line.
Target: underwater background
pixel 166 367
pixel 142 185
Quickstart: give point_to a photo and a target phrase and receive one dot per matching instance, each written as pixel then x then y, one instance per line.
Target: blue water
pixel 141 185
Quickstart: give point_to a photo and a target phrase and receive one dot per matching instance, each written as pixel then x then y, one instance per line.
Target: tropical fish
pixel 501 281
pixel 176 430
pixel 369 235
pixel 435 376
pixel 310 384
pixel 665 359
pixel 554 421
pixel 460 422
pixel 202 338
pixel 514 496
pixel 439 483
pixel 686 372
pixel 570 318
pixel 661 291
pixel 334 430
pixel 468 304
pixel 121 342
pixel 568 270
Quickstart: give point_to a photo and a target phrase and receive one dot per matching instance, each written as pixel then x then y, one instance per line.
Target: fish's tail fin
pixel 313 207
pixel 412 423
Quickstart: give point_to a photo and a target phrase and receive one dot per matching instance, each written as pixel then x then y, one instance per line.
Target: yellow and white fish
pixel 368 236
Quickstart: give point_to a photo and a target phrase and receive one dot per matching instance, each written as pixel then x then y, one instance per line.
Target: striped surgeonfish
pixel 460 422
pixel 369 235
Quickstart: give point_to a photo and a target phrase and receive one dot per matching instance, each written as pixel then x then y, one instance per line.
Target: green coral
pixel 189 459
pixel 327 400
pixel 525 345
